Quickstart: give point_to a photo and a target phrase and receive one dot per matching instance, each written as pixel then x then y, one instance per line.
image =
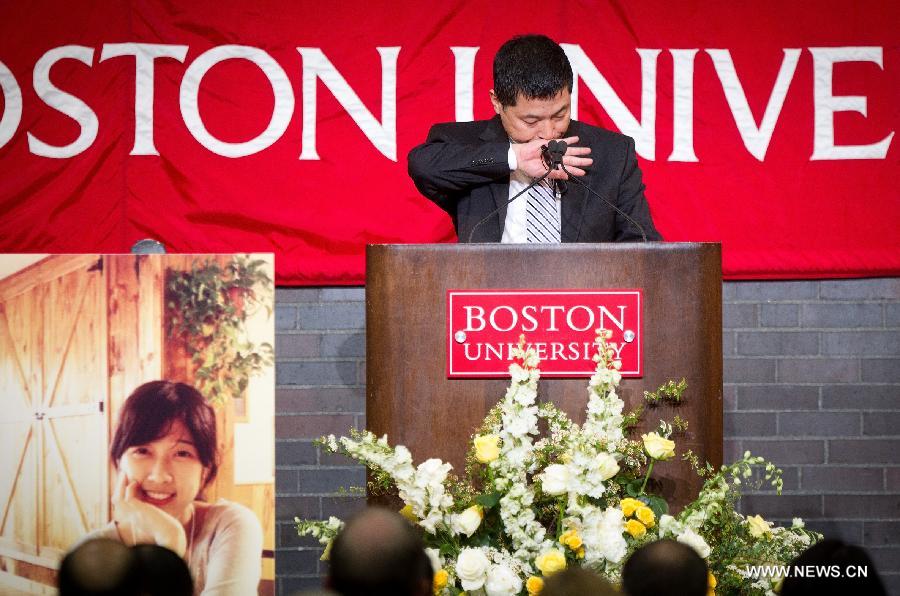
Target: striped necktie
pixel 542 214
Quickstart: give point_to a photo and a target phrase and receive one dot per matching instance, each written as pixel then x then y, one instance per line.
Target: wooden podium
pixel 410 398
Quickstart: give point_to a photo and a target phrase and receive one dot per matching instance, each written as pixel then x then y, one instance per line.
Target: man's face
pixel 532 119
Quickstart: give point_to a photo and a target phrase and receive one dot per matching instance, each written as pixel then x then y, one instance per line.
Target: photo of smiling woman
pixel 164 451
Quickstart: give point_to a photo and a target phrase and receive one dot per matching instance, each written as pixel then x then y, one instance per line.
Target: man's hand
pixel 530 160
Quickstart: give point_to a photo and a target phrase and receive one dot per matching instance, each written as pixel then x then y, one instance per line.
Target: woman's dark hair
pixel 533 66
pixel 148 415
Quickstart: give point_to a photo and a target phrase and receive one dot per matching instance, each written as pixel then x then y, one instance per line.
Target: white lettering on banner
pixel 12 101
pixel 643 132
pixel 190 90
pixel 464 60
pixel 826 104
pixel 470 318
pixel 505 318
pixel 683 106
pixel 384 134
pixel 144 56
pixel 555 350
pixel 571 323
pixel 756 139
pixel 527 314
pixel 513 316
pixel 64 102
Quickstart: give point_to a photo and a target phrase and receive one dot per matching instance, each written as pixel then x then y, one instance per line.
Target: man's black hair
pixel 379 553
pixel 665 568
pixel 533 66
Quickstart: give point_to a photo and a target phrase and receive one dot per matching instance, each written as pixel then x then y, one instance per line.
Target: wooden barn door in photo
pixel 53 419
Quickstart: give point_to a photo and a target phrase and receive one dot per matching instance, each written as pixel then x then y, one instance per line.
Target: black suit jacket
pixel 462 166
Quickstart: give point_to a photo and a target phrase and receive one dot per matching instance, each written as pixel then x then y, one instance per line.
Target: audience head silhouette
pixel 832 567
pixel 103 567
pixel 161 572
pixel 577 581
pixel 98 567
pixel 379 553
pixel 664 568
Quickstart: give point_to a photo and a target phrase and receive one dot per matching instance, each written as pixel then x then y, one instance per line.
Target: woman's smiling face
pixel 168 471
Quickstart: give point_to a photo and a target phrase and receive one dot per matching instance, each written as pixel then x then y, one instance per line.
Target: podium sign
pixel 483 326
pixel 675 312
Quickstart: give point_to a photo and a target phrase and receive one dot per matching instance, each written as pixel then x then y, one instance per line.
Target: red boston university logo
pixel 483 326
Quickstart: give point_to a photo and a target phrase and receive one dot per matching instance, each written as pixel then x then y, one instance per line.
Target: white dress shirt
pixel 514 227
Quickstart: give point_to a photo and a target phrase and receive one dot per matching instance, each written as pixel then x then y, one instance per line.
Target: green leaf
pixel 489 500
pixel 634 487
pixel 658 505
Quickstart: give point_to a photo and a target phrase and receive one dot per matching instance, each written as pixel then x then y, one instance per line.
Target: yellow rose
pixel 571 539
pixel 580 553
pixel 407 512
pixel 534 585
pixel 550 561
pixel 487 448
pixel 646 516
pixel 658 447
pixel 629 506
pixel 440 579
pixel 635 528
pixel 711 584
pixel 758 526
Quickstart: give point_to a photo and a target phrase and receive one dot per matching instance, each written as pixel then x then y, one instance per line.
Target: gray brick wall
pixel 812 381
pixel 813 370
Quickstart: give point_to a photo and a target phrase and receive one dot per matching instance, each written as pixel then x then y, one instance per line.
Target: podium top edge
pixel 564 247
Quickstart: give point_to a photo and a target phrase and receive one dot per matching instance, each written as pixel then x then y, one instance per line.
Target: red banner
pixel 284 127
pixel 483 327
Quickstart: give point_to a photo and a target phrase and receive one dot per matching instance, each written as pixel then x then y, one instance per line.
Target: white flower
pixel 555 479
pixel 501 581
pixel 518 373
pixel 601 532
pixel 467 521
pixel 431 471
pixel 695 541
pixel 525 395
pixel 797 523
pixel 471 568
pixel 434 555
pixel 669 526
pixel 606 466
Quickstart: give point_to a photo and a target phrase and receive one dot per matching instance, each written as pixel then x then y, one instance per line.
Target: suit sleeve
pixel 446 167
pixel 632 201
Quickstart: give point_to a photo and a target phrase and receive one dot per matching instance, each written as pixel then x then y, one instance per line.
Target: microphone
pixel 519 194
pixel 553 156
pixel 554 152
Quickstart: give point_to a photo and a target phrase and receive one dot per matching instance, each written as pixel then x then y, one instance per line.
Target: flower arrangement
pixel 532 505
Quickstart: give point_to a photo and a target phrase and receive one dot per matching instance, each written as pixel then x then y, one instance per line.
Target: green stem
pixel 647 477
pixel 559 520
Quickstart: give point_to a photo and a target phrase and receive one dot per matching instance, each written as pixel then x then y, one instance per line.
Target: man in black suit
pixel 472 169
